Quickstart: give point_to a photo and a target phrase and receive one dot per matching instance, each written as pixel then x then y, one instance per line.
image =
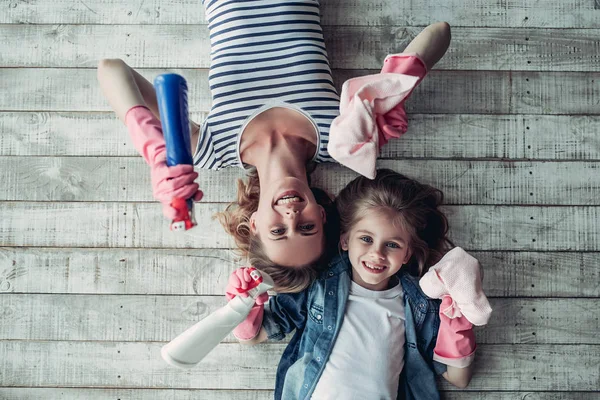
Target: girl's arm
pixel 124 88
pixel 459 377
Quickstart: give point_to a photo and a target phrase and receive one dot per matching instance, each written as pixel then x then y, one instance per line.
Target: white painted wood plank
pixel 82 224
pixel 517 13
pixel 51 133
pixel 443 92
pixel 134 394
pixel 116 271
pixel 234 366
pixel 205 272
pixel 537 93
pixel 463 182
pixel 77 90
pixel 161 318
pixel 199 394
pixel 532 137
pixel 360 47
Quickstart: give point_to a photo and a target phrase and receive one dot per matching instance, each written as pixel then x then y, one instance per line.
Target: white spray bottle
pixel 190 347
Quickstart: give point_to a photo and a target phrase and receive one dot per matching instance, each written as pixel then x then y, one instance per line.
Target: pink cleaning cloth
pixel 372 112
pixel 459 276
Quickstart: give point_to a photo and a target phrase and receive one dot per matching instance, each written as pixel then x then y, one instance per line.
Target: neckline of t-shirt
pixel 268 106
pixel 394 291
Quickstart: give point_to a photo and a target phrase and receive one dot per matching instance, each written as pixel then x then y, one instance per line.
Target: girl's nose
pixel 376 254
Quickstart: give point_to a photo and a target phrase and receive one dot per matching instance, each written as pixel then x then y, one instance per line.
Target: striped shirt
pixel 264 54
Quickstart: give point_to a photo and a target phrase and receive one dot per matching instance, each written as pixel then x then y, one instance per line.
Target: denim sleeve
pixel 439 368
pixel 284 313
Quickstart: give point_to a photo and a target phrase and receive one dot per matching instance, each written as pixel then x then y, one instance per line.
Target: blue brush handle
pixel 171 94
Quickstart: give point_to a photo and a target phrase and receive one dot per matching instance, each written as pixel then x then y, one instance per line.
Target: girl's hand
pixel 459 276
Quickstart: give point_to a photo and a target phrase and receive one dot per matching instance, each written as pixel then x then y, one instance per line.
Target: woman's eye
pixel 393 245
pixel 307 227
pixel 366 239
pixel 278 231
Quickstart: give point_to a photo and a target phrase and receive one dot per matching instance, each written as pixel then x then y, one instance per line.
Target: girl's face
pixel 289 223
pixel 377 250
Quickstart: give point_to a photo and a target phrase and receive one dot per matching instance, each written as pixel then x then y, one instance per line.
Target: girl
pixel 364 329
pixel 273 104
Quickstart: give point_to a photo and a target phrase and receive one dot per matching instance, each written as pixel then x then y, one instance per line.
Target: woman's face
pixel 289 223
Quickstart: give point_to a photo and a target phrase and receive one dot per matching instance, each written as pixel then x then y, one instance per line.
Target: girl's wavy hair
pixel 412 205
pixel 235 219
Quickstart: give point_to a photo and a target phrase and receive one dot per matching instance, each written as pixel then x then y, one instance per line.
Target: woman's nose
pixel 291 212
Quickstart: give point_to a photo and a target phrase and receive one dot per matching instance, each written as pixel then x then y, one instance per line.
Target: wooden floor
pixel 92 283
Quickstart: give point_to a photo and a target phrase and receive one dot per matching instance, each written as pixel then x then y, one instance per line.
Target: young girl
pixel 273 104
pixel 364 329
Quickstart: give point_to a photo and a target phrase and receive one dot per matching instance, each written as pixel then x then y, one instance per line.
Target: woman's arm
pixel 124 88
pixel 261 337
pixel 459 377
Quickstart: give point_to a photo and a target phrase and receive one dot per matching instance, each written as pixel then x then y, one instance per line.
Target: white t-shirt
pixel 368 355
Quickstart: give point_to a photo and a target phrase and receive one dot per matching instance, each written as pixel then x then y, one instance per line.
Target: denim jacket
pixel 317 313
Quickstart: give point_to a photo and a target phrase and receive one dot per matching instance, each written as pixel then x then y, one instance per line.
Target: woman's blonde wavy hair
pixel 235 219
pixel 412 205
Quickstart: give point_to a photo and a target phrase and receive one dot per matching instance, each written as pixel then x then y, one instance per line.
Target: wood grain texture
pixel 511 137
pixel 199 394
pixel 82 224
pixel 349 47
pixel 134 365
pixel 133 394
pixel 478 13
pixel 443 92
pixel 161 318
pixel 205 272
pixel 463 182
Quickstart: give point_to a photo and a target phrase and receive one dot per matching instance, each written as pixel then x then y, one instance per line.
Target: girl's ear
pixel 253 228
pixel 408 256
pixel 344 241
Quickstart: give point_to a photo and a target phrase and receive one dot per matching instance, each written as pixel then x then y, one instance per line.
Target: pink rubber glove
pixel 394 123
pixel 167 182
pixel 458 275
pixel 239 281
pixel 455 344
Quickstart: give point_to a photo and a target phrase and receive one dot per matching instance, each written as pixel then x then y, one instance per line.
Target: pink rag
pixel 167 182
pixel 372 112
pixel 250 327
pixel 459 275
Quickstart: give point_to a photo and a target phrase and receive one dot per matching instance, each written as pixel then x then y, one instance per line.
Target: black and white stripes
pixel 264 53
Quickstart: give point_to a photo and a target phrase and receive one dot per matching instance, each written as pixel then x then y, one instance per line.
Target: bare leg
pixel 431 44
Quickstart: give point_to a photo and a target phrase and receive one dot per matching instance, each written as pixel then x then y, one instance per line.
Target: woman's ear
pixel 253 227
pixel 344 241
pixel 323 214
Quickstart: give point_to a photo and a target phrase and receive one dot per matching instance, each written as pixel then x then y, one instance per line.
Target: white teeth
pixel 288 199
pixel 369 265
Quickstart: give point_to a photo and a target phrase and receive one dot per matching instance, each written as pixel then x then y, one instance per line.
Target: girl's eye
pixel 392 245
pixel 366 239
pixel 307 227
pixel 278 231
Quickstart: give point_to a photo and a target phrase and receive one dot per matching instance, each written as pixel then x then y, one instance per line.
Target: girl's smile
pixel 377 248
